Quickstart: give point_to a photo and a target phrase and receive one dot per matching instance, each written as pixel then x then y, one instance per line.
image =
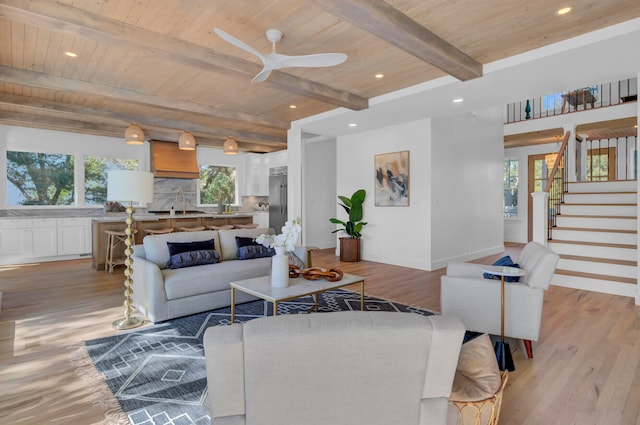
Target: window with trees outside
pixel 95 176
pixel 36 178
pixel 217 185
pixel 511 166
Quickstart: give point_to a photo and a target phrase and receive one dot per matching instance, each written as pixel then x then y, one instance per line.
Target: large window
pixel 217 185
pixel 35 178
pixel 95 176
pixel 511 166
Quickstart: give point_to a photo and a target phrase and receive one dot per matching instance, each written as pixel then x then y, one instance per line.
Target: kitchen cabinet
pixel 74 236
pixel 257 175
pixel 22 239
pixel 261 219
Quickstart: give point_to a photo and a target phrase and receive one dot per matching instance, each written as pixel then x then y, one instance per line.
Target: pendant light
pixel 186 142
pixel 230 146
pixel 134 135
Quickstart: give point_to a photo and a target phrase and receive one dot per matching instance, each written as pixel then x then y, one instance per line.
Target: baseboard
pixel 437 264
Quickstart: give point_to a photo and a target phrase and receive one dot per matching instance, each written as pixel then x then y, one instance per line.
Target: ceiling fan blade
pixel 312 61
pixel 238 43
pixel 262 75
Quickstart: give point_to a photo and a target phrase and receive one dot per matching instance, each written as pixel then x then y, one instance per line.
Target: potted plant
pixel 350 245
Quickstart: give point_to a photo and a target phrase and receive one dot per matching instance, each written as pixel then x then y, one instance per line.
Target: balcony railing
pixel 596 96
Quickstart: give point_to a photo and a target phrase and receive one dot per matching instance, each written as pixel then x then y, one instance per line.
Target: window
pixel 36 178
pixel 95 176
pixel 217 185
pixel 511 166
pixel 601 164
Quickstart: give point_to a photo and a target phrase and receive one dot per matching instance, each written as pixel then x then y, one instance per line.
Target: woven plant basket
pixel 482 412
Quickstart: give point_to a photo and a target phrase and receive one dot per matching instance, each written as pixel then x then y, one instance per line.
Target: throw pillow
pixel 477 375
pixel 503 261
pixel 248 248
pixel 194 258
pixel 178 247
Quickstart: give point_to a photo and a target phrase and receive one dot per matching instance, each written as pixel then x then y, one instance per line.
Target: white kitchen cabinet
pixel 261 219
pixel 22 239
pixel 74 236
pixel 257 175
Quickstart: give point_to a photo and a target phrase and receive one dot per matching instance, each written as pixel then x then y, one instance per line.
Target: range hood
pixel 169 161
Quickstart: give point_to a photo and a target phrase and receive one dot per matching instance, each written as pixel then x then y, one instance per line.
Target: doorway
pixel 537 179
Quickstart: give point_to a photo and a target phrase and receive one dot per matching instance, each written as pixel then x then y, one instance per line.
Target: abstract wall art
pixel 392 179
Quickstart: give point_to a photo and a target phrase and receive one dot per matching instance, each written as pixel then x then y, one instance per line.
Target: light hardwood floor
pixel 585 370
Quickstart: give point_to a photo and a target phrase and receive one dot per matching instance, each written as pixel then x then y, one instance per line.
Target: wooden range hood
pixel 169 161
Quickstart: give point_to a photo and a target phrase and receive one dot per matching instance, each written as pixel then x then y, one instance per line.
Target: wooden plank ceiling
pixel 159 64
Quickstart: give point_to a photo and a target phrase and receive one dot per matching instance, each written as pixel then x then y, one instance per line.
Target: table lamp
pixel 129 186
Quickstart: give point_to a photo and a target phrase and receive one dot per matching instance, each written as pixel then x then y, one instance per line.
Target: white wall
pixel 466 186
pixel 319 195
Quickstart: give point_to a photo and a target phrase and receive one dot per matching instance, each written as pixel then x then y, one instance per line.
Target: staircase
pixel 596 237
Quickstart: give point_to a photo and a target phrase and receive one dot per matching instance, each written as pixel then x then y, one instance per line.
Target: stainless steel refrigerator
pixel 277 198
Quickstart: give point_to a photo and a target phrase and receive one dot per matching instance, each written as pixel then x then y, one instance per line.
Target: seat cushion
pixel 203 279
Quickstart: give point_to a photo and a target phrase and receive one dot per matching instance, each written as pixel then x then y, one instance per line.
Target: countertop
pixel 155 217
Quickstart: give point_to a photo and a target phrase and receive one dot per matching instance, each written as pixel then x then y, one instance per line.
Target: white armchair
pixel 353 367
pixel 465 294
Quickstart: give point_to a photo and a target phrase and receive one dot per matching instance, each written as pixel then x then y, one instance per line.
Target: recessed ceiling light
pixel 378 76
pixel 71 54
pixel 353 124
pixel 563 10
pixel 458 100
pixel 292 106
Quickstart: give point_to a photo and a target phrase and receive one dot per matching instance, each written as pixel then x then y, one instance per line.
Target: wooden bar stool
pixel 191 229
pixel 114 238
pixel 221 227
pixel 158 231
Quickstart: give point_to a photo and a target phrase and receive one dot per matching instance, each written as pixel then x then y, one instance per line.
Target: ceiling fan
pixel 275 60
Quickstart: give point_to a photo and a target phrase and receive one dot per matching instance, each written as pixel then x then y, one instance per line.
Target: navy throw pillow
pixel 178 247
pixel 248 248
pixel 194 258
pixel 503 261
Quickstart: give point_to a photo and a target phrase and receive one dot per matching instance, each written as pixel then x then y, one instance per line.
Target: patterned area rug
pixel 157 373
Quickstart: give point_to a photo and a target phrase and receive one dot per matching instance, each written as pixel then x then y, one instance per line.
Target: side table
pixel 503 351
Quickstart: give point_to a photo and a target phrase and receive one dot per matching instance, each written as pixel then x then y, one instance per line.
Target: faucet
pixel 184 201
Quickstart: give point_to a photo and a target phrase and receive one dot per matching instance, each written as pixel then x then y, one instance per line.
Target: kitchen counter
pixel 146 221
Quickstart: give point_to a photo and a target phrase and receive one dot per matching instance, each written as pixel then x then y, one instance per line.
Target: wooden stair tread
pixel 622 192
pixel 586 229
pixel 599 260
pixel 626 217
pixel 591 204
pixel 610 245
pixel 597 276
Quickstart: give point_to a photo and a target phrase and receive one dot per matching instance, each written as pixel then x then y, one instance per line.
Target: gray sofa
pixel 162 293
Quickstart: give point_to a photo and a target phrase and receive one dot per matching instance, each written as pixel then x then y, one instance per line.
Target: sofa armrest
pixel 149 294
pixel 470 270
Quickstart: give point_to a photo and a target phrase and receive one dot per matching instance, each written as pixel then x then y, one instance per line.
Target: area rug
pixel 157 373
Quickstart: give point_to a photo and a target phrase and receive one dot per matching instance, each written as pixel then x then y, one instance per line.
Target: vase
pixel 280 268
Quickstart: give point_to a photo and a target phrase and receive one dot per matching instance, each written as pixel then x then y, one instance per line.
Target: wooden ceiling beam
pixel 393 26
pixel 147 119
pixel 50 122
pixel 533 138
pixel 218 116
pixel 76 22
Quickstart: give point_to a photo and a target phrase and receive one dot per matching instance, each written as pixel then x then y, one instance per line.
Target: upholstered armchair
pixel 357 368
pixel 465 294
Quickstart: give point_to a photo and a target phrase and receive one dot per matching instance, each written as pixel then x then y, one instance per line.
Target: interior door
pixel 537 176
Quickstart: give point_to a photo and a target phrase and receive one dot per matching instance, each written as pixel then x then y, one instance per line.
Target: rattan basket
pixel 482 412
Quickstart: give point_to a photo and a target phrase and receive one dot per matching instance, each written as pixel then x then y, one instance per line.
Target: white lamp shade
pixel 230 146
pixel 130 186
pixel 186 141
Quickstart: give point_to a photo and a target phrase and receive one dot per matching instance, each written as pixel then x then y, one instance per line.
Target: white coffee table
pixel 298 287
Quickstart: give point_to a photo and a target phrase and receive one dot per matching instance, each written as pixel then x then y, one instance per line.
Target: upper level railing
pixel 557 184
pixel 595 96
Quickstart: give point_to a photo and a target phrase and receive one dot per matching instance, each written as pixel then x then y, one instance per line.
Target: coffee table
pixel 298 287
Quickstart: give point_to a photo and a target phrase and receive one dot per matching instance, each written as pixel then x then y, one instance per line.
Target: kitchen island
pixel 148 221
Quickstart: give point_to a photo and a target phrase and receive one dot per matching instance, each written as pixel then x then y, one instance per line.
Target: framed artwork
pixel 392 179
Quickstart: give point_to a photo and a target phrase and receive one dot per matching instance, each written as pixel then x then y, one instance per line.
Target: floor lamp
pixel 129 186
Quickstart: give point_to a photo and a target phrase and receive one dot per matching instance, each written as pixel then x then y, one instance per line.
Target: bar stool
pixel 246 226
pixel 158 231
pixel 221 227
pixel 191 229
pixel 114 238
